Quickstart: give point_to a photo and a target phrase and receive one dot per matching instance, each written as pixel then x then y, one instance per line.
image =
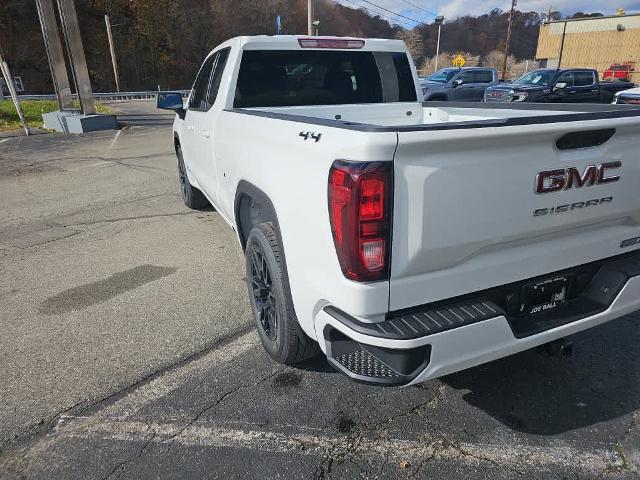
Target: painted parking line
pixel 308 441
pixel 168 382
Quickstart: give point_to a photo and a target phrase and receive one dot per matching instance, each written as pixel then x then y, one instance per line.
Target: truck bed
pixel 442 115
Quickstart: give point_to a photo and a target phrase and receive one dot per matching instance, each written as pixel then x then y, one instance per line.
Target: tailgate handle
pixel 586 139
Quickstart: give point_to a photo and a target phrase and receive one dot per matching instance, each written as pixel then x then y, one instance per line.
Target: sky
pixel 456 8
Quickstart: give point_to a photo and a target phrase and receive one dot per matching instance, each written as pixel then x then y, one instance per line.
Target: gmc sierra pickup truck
pixel 407 240
pixel 545 85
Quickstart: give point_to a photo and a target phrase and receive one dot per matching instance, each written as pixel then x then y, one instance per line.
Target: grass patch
pixel 33 110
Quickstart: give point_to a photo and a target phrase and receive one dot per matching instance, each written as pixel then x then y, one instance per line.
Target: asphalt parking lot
pixel 127 351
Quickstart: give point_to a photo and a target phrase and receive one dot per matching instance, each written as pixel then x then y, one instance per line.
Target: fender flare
pixel 266 212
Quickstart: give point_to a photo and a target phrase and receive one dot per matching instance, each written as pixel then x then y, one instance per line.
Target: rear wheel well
pixel 253 207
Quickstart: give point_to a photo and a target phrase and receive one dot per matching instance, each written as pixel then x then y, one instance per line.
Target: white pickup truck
pixel 407 240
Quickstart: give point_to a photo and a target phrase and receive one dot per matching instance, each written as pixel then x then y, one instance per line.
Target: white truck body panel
pixel 464 203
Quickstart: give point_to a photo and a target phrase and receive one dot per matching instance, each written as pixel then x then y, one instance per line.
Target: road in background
pixel 127 351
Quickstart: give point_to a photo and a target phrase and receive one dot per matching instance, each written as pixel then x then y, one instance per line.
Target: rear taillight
pixel 360 211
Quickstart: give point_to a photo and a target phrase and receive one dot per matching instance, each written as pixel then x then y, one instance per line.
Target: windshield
pixel 537 77
pixel 443 76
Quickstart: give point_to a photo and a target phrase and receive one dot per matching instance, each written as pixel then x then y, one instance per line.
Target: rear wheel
pixel 192 197
pixel 270 299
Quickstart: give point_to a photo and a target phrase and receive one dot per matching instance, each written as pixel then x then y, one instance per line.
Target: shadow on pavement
pixel 534 394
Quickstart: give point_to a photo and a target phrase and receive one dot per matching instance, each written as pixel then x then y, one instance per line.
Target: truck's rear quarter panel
pixel 464 207
pixel 293 173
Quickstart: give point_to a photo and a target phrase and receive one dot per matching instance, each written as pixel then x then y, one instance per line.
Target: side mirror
pixel 457 83
pixel 559 86
pixel 171 101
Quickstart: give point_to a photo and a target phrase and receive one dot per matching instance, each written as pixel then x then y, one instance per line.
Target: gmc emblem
pixel 568 178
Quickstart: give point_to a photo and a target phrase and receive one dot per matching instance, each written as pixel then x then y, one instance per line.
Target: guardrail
pixel 107 95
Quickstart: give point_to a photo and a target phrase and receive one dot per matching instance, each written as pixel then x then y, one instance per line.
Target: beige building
pixel 591 42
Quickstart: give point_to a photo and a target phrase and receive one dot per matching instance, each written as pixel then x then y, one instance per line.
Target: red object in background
pixel 620 72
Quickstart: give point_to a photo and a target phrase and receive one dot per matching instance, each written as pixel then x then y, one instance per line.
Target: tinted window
pixel 289 78
pixel 216 76
pixel 537 77
pixel 406 87
pixel 582 79
pixel 466 77
pixel 483 76
pixel 566 77
pixel 198 99
pixel 444 75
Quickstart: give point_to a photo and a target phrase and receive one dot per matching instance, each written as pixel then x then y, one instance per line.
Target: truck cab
pixel 571 85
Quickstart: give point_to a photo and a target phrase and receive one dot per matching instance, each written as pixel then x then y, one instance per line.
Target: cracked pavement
pixel 128 352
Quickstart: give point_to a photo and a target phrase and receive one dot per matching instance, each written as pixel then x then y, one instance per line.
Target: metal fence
pixel 108 96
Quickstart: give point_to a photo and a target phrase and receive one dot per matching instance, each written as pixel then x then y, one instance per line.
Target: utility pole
pixel 113 52
pixel 8 79
pixel 438 20
pixel 506 47
pixel 564 32
pixel 310 17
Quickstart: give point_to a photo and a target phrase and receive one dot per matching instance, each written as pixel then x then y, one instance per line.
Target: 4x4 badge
pixel 313 135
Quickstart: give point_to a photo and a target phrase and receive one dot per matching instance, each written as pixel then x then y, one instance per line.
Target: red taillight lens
pixel 360 211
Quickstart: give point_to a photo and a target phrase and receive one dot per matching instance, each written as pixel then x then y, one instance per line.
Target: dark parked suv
pixel 458 84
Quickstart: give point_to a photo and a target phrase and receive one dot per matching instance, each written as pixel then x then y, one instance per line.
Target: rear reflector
pixel 344 43
pixel 360 211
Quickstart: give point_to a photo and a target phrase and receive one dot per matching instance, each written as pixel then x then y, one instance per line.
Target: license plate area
pixel 545 295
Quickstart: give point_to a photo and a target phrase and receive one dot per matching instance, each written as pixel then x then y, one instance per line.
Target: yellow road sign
pixel 459 61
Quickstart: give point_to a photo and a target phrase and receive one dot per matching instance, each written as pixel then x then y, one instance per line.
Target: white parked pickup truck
pixel 407 240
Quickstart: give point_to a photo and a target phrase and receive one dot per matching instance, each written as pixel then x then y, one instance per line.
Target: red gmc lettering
pixel 567 178
pixel 590 175
pixel 602 172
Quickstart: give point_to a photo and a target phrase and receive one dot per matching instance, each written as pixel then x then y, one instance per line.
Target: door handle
pixel 191 128
pixel 205 134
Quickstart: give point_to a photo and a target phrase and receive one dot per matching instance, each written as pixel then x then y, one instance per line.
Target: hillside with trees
pixel 163 42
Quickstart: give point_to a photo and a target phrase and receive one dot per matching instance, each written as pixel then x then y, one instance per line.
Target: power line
pixel 392 12
pixel 419 8
pixel 379 14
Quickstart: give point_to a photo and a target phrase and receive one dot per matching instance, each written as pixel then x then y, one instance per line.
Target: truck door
pixel 585 87
pixel 205 119
pixel 196 110
pixel 463 87
pixel 481 80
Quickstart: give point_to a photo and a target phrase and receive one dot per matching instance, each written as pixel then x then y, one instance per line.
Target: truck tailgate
pixel 467 216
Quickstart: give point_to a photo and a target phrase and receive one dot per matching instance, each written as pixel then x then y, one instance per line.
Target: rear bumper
pixel 457 348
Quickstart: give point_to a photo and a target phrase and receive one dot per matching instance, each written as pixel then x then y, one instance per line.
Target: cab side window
pixel 198 98
pixel 216 76
pixel 466 77
pixel 566 77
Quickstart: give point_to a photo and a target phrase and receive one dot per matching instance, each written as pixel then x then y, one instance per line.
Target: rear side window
pixel 583 79
pixel 483 76
pixel 313 77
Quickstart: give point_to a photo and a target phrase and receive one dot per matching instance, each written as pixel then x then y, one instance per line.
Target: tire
pixel 606 97
pixel 270 299
pixel 192 197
